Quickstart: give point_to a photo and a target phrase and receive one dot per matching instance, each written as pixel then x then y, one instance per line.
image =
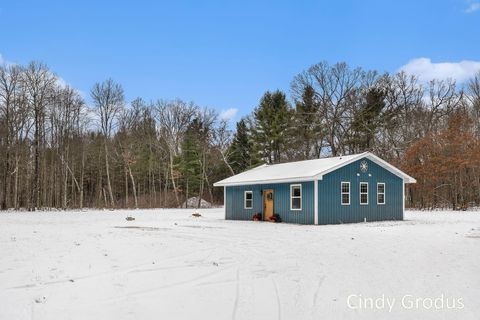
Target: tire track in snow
pixel 138 268
pixel 317 291
pixel 279 306
pixel 237 294
pixel 315 296
pixel 167 286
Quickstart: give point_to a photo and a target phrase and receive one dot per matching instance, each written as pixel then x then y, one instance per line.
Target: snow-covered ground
pixel 169 265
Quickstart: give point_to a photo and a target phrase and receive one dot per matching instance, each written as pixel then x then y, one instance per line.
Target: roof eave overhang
pixel 242 183
pixel 406 178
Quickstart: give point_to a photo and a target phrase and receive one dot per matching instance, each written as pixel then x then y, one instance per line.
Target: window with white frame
pixel 345 189
pixel 248 201
pixel 296 197
pixel 380 193
pixel 363 192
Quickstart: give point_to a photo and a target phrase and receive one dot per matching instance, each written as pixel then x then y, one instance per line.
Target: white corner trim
pixel 315 201
pixel 225 201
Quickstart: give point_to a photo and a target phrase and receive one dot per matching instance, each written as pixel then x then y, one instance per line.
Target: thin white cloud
pixel 64 84
pixel 61 82
pixel 426 70
pixel 228 114
pixel 4 62
pixel 473 6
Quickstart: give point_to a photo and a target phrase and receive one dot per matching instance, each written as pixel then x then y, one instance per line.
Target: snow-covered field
pixel 169 265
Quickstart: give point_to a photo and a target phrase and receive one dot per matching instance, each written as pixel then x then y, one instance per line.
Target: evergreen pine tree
pixel 190 165
pixel 367 120
pixel 307 126
pixel 241 155
pixel 272 119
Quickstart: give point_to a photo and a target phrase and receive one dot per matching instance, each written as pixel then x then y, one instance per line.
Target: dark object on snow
pixel 129 218
pixel 257 217
pixel 196 215
pixel 40 300
pixel 275 218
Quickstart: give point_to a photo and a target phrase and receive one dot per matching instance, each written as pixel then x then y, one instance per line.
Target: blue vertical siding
pixel 330 209
pixel 281 205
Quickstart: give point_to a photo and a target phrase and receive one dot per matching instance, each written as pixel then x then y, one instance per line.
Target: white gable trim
pixel 382 163
pixel 312 176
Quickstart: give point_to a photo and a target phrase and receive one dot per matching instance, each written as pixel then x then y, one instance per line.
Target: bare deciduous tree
pixel 109 100
pixel 40 83
pixel 173 118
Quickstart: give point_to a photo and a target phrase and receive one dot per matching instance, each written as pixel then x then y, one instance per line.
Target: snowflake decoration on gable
pixel 363 166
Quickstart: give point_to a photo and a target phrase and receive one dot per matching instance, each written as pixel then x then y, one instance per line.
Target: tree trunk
pixel 15 186
pixel 202 182
pixel 6 182
pixel 81 178
pixel 165 192
pixel 133 185
pixel 126 188
pixel 65 180
pixel 109 185
pixel 209 188
pixel 65 185
pixel 173 180
pixel 186 195
pixel 105 197
pixel 226 163
pixel 36 176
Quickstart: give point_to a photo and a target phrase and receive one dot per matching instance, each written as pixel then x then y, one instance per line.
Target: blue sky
pixel 225 54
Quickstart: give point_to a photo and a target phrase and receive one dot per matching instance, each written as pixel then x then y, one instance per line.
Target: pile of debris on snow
pixel 193 203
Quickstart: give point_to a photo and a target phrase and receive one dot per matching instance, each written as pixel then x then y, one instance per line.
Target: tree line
pixel 57 152
pixel 429 130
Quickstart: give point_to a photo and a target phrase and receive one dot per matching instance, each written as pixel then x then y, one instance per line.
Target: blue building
pixel 346 189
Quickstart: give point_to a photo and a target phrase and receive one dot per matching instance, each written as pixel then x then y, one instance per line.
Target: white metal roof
pixel 304 171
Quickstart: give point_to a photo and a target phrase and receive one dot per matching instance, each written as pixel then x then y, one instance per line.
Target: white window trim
pixel 291 197
pixel 342 193
pixel 384 191
pixel 245 200
pixel 360 190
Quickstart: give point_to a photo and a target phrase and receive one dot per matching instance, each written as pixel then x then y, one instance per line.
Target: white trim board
pixel 315 201
pixel 382 163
